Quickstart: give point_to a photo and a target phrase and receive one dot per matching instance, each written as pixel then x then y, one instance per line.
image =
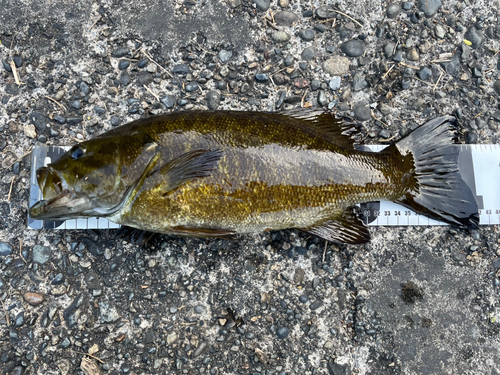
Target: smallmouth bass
pixel 219 173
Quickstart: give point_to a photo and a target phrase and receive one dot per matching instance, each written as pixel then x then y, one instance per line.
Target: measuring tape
pixel 480 163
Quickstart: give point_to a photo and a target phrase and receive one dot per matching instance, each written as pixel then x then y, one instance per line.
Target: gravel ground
pixel 414 301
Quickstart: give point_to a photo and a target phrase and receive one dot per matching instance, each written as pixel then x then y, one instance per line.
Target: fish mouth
pixel 59 201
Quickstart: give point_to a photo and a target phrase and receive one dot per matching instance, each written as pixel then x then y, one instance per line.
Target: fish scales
pixel 265 180
pixel 214 173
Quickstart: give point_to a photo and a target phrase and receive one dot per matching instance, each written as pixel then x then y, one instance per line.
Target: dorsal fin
pixel 341 131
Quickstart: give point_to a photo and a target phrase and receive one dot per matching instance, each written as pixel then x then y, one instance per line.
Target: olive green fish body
pixel 217 173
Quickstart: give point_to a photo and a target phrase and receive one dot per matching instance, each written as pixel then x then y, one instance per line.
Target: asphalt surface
pixel 417 300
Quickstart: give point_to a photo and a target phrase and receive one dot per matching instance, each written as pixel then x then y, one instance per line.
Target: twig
pixel 303 97
pixel 90 355
pixel 345 15
pixel 21 250
pixel 14 70
pixel 279 71
pixel 375 118
pixel 270 24
pixel 409 66
pixel 385 75
pixel 388 139
pixel 324 252
pixel 10 190
pixel 151 92
pixel 435 86
pixel 161 67
pixel 55 101
pixel 97 20
pixel 6 315
pixel 427 83
pixel 18 159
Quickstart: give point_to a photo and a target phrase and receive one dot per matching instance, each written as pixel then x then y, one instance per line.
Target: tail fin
pixel 440 191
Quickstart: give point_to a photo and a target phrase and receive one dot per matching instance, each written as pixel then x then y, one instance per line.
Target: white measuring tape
pixel 482 163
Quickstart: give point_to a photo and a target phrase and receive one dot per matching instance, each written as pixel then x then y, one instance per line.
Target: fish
pixel 222 173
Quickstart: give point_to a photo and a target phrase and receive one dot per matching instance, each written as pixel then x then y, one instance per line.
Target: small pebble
pixel 168 101
pixel 225 56
pixel 262 5
pixel 429 7
pixel 142 63
pixel 181 69
pixel 192 86
pixel 474 36
pixel 115 120
pixel 393 10
pixel 120 52
pixel 280 36
pixel 261 78
pixel 5 249
pixel 285 18
pixel 307 34
pixel 123 64
pixel 308 53
pixel 353 48
pixel 424 73
pixel 33 298
pixel 282 332
pixel 335 83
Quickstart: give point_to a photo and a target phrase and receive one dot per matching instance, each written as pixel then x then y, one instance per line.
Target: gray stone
pixel 280 36
pixel 496 86
pixel 337 65
pixel 192 86
pixel 282 332
pixel 41 254
pixel 285 18
pixel 225 56
pixel 5 249
pixel 361 111
pixel 424 73
pixel 109 313
pixel 180 69
pixel 262 5
pixel 144 78
pixel 322 100
pixel 213 99
pixel 359 83
pixel 308 53
pixel 440 31
pixel 307 34
pixel 474 36
pixel 393 10
pixel 168 101
pixel 429 7
pixel 407 5
pixel 324 12
pixel 389 49
pixel 38 120
pixel 335 83
pixel 353 48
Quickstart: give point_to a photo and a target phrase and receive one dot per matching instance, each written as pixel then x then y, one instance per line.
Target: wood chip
pixel 30 131
pixel 89 367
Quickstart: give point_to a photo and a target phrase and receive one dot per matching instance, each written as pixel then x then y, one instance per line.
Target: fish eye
pixel 77 153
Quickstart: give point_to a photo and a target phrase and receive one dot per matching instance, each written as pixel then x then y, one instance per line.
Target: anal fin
pixel 347 228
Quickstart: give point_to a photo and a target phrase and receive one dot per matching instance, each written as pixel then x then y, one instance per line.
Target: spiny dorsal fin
pixel 348 228
pixel 342 132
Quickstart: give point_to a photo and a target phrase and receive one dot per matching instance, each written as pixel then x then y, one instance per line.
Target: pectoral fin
pixel 348 229
pixel 188 167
